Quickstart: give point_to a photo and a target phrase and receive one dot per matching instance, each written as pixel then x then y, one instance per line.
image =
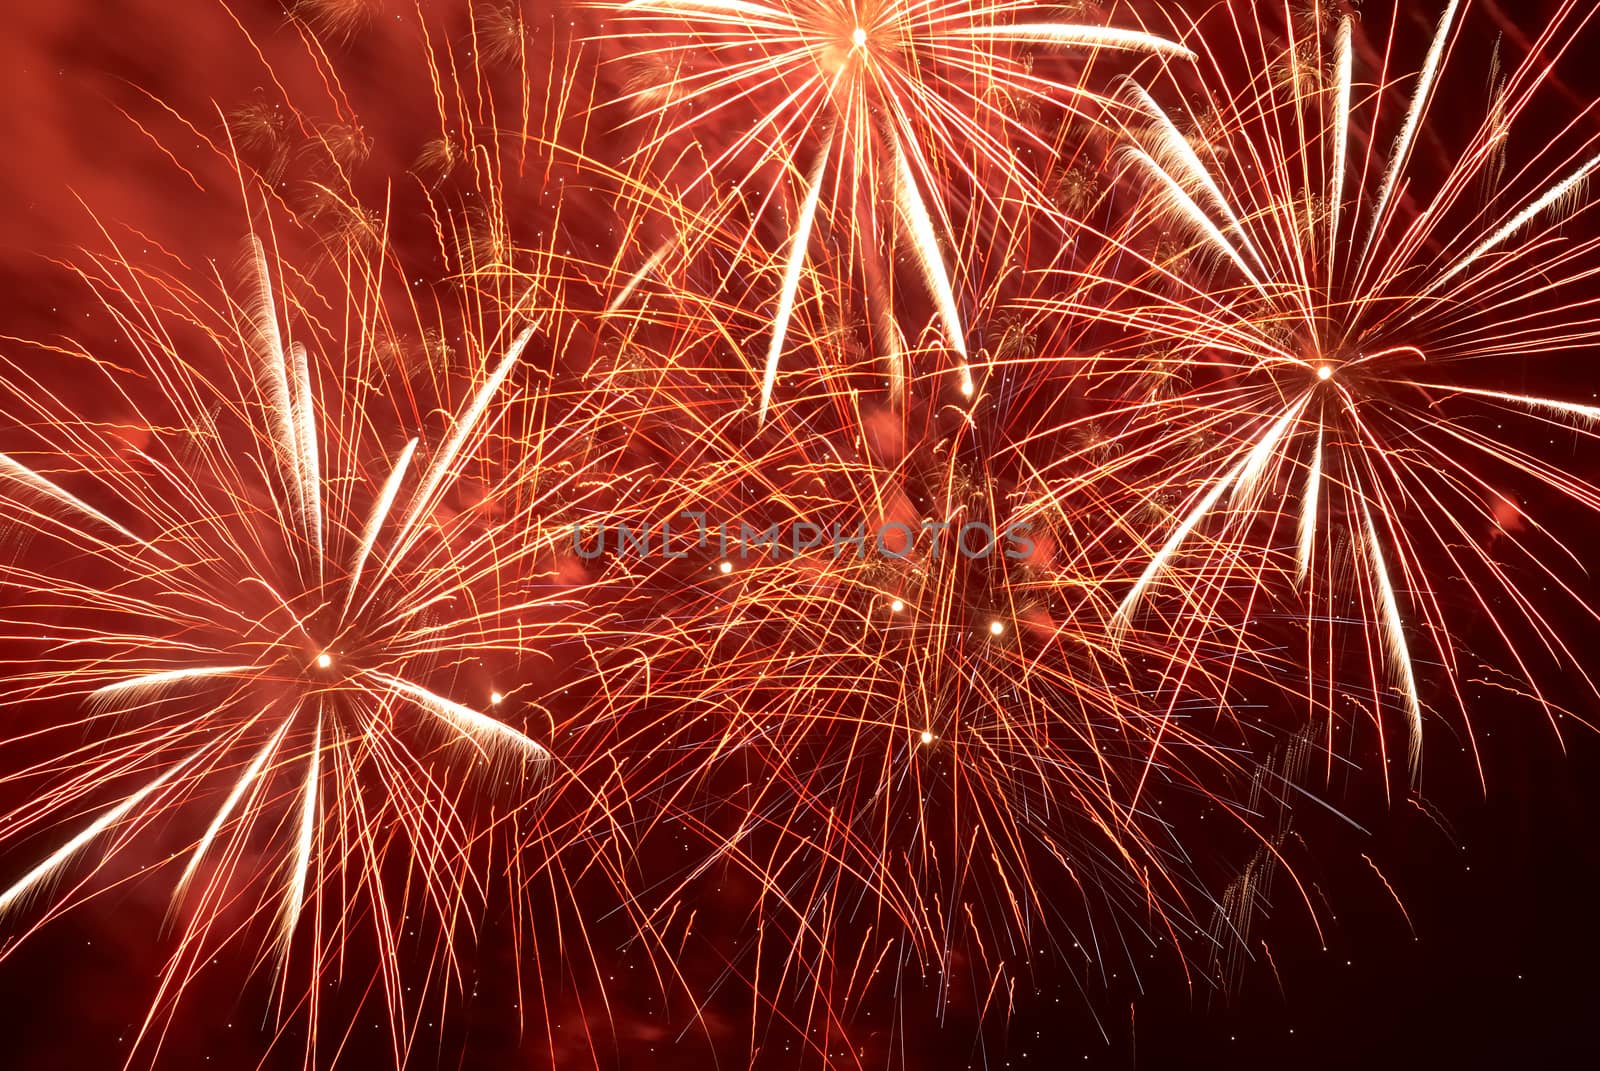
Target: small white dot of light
pixel 995 628
pixel 897 606
pixel 726 567
pixel 324 660
pixel 495 698
pixel 927 737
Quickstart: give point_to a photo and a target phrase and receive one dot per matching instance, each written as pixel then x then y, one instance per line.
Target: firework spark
pixel 947 754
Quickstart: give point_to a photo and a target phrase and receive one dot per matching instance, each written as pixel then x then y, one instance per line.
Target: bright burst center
pixel 1324 371
pixel 858 37
pixel 324 660
pixel 927 737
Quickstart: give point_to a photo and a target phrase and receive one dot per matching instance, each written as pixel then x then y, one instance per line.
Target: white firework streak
pixel 11 896
pixel 791 276
pixel 926 242
pixel 464 719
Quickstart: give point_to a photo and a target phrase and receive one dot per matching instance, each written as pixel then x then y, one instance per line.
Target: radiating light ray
pixel 310 465
pixel 245 783
pixel 465 719
pixel 651 264
pixel 380 514
pixel 1400 155
pixel 160 681
pixel 931 261
pixel 1180 200
pixel 1344 78
pixel 1587 414
pixel 305 843
pixel 1078 36
pixel 53 862
pixel 465 426
pixel 792 276
pixel 21 473
pixel 1554 195
pixel 1394 631
pixel 1184 159
pixel 273 370
pixel 1308 511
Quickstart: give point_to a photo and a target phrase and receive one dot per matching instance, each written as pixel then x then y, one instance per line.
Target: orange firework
pixel 1339 335
pixel 898 708
pixel 897 103
pixel 281 588
pixel 293 611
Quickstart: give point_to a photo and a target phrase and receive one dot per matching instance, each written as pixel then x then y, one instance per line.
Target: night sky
pixel 1459 932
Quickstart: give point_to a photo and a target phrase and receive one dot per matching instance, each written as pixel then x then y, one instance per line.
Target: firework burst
pixel 270 580
pixel 1343 333
pixel 880 112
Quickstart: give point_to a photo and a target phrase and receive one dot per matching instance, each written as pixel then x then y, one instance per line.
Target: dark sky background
pixel 1498 964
